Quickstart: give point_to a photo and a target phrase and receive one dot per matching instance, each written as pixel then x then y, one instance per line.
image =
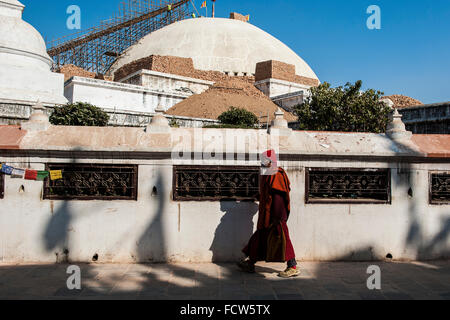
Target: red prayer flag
pixel 31 174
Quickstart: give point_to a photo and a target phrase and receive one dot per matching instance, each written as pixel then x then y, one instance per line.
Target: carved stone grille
pixel 92 182
pixel 348 185
pixel 2 185
pixel 440 188
pixel 214 183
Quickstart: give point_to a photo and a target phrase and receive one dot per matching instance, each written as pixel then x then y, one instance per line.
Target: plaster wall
pixel 274 87
pixel 120 96
pixel 14 113
pixel 155 228
pixel 290 100
pixel 167 82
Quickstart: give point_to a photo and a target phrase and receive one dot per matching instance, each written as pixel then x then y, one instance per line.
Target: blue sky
pixel 410 55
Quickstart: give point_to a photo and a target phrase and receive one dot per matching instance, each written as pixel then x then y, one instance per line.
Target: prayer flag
pixel 17 173
pixel 203 5
pixel 7 169
pixel 30 174
pixel 248 17
pixel 55 174
pixel 42 175
pixel 169 7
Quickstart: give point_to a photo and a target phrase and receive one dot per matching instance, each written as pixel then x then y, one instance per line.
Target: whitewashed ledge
pixel 14 112
pixel 115 95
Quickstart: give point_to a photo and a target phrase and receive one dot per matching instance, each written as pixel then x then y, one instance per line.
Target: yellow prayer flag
pixel 56 174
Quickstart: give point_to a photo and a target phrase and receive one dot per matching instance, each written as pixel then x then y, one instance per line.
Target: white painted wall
pixel 159 229
pixel 120 96
pixel 166 82
pixel 275 87
pixel 289 101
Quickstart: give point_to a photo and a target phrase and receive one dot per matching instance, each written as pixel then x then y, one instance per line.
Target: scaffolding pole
pixel 97 48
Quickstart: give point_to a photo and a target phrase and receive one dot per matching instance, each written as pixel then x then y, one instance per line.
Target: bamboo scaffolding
pixel 97 48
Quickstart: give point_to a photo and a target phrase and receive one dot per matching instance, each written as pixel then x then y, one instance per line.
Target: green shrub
pixel 238 118
pixel 345 108
pixel 79 114
pixel 174 123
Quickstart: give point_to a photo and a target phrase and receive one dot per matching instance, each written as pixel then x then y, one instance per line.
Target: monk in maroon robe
pixel 271 241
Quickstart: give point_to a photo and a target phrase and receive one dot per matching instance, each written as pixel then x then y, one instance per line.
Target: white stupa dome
pixel 24 63
pixel 17 36
pixel 215 44
pixel 11 8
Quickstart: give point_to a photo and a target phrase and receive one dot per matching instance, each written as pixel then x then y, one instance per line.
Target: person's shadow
pixel 151 246
pixel 234 230
pixel 56 234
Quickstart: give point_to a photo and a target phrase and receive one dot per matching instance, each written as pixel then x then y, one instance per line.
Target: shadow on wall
pixel 56 234
pixel 423 249
pixel 236 227
pixel 231 235
pixel 234 230
pixel 151 246
pixel 439 243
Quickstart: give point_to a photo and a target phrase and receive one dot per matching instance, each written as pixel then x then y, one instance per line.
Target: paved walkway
pixel 415 280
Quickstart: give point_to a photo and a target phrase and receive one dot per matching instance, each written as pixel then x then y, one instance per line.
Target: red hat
pixel 267 156
pixel 271 155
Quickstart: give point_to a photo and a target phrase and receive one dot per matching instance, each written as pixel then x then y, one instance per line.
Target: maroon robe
pixel 256 248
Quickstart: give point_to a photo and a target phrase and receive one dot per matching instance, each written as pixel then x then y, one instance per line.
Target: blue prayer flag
pixel 7 169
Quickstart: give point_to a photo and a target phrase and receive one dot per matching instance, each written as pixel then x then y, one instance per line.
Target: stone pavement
pixel 319 280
